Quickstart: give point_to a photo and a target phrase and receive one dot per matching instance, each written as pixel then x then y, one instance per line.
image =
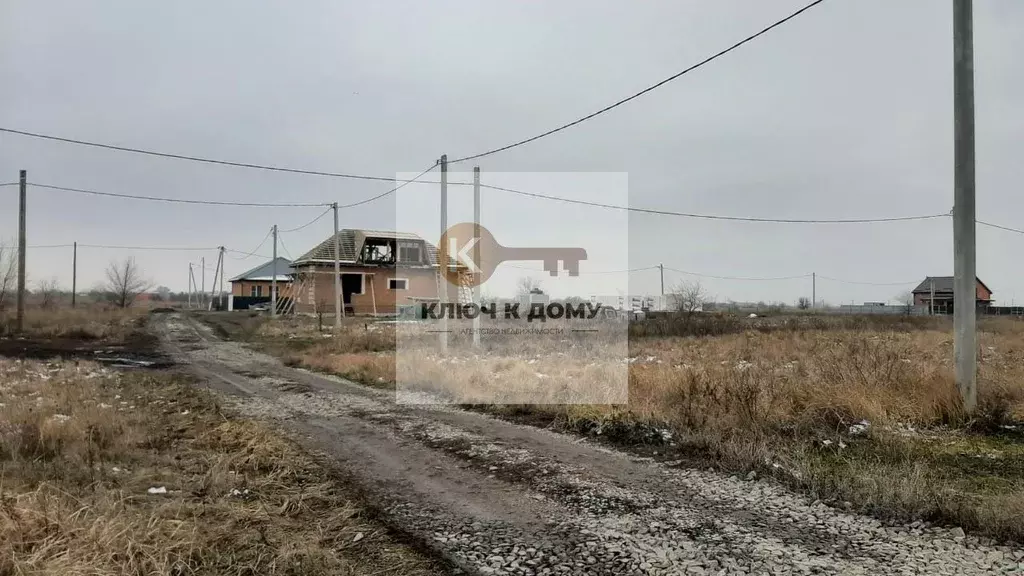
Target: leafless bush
pixel 49 293
pixel 8 274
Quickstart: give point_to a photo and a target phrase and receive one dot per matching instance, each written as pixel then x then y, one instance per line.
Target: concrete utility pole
pixel 661 268
pixel 213 285
pixel 931 297
pixel 220 295
pixel 273 278
pixel 191 285
pixel 202 288
pixel 74 273
pixel 814 290
pixel 339 310
pixel 965 351
pixel 443 266
pixel 22 182
pixel 476 252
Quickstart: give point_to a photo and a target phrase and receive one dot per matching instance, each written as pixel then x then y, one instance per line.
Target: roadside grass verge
pixel 86 322
pixel 858 412
pixel 105 472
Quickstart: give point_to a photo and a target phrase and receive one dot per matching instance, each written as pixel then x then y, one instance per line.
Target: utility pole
pixel 476 253
pixel 273 278
pixel 814 290
pixel 931 297
pixel 74 273
pixel 21 250
pixel 661 268
pixel 213 285
pixel 443 296
pixel 191 284
pixel 965 351
pixel 220 294
pixel 202 276
pixel 339 310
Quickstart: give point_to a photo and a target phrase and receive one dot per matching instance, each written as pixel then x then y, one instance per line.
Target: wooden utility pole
pixel 74 273
pixel 338 304
pixel 476 253
pixel 964 250
pixel 22 182
pixel 443 256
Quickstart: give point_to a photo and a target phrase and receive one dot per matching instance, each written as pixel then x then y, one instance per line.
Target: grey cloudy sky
pixel 844 112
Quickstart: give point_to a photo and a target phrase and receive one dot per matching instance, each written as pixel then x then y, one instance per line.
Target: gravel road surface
pixel 500 498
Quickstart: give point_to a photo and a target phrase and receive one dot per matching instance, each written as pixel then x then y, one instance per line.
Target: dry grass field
pixel 859 412
pixel 106 472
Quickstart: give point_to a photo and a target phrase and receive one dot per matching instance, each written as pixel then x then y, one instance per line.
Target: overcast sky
pixel 843 112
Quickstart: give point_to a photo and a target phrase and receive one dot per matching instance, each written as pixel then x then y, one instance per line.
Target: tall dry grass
pixel 780 397
pixel 87 322
pixel 80 449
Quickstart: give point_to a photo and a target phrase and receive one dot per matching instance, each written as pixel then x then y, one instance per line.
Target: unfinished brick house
pixel 380 271
pixel 943 290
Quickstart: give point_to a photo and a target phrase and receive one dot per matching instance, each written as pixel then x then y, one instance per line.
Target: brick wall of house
pixel 244 288
pixel 420 283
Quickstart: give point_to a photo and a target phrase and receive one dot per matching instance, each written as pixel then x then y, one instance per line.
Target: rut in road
pixel 500 498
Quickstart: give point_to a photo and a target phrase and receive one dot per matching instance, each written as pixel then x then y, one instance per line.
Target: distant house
pixel 380 272
pixel 257 283
pixel 943 289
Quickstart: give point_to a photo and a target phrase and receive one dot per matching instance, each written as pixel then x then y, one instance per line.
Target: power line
pixel 175 200
pixel 737 277
pixel 192 158
pixel 118 247
pixel 1007 228
pixel 247 254
pixel 297 228
pixel 868 283
pixel 642 92
pixel 395 189
pixel 714 216
pixel 284 248
pixel 254 250
pixel 584 273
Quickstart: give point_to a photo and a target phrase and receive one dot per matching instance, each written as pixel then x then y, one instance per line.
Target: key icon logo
pixel 481 254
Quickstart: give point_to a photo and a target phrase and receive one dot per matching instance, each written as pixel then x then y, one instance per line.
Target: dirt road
pixel 499 498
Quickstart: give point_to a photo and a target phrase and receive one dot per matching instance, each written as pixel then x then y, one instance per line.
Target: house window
pixel 409 253
pixel 256 291
pixel 398 284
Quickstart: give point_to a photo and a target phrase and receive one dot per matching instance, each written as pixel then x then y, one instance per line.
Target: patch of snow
pixel 859 428
pixel 157 490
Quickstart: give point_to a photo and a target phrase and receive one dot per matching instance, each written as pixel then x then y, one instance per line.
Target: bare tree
pixel 527 285
pixel 49 293
pixel 8 274
pixel 687 299
pixel 906 300
pixel 125 282
pixel 803 303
